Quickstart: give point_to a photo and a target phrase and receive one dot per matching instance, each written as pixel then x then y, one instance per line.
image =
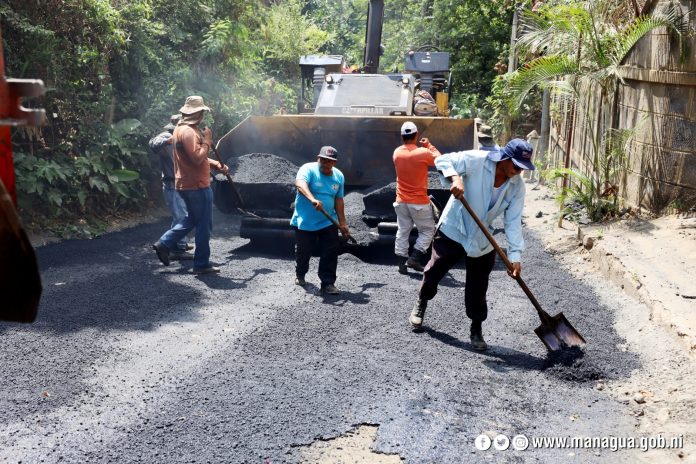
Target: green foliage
pixel 574 48
pixel 107 61
pixel 116 70
pixel 80 229
pixel 581 197
pixel 286 35
pixel 596 196
pixel 345 22
pixel 474 32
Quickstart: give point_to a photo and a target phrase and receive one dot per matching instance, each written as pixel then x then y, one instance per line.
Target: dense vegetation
pixel 576 49
pixel 115 70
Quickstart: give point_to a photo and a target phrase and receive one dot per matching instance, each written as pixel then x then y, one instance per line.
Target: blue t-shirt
pixel 325 189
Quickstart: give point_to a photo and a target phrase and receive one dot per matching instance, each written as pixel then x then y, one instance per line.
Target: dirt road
pixel 130 361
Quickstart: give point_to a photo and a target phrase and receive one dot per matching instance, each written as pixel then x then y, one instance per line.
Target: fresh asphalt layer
pixel 131 361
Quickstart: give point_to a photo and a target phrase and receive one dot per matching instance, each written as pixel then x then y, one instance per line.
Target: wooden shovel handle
pixel 543 314
pixel 333 221
pixel 237 195
pixel 229 177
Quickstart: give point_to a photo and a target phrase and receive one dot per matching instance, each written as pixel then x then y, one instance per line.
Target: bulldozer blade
pixel 365 143
pixel 558 334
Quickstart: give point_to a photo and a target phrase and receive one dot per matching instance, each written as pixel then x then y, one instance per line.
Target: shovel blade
pixel 557 334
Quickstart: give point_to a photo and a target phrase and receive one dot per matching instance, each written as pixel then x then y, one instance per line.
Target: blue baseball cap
pixel 519 151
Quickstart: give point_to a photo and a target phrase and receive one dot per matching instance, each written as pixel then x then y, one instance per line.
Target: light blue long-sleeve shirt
pixel 478 174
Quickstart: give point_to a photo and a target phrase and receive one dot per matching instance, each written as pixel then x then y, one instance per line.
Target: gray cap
pixel 328 152
pixel 485 132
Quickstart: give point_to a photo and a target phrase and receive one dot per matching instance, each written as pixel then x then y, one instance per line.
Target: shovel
pixel 238 197
pixel 555 331
pixel 333 221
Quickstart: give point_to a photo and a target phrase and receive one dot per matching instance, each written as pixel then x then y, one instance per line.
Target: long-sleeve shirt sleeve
pixel 451 164
pixel 191 162
pixel 478 175
pixel 194 146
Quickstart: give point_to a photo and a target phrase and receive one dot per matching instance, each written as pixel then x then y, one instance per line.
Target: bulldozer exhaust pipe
pixel 373 36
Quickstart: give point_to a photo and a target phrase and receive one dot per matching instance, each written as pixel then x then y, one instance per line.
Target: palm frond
pixel 540 71
pixel 555 30
pixel 573 17
pixel 672 19
pixel 563 89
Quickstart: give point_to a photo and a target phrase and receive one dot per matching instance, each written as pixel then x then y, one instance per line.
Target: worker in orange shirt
pixel 412 203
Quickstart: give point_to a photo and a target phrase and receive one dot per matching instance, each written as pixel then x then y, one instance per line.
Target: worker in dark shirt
pixel 161 145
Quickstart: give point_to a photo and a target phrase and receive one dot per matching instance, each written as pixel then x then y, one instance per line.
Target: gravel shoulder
pixel 647 260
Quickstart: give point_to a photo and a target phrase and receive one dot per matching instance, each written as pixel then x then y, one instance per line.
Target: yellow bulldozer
pixel 359 114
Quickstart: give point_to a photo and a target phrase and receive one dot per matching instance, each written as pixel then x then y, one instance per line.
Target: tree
pixel 576 51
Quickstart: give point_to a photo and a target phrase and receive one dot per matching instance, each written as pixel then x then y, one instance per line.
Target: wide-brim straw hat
pixel 194 104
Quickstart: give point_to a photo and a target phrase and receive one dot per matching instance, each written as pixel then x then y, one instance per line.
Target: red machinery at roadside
pixel 20 282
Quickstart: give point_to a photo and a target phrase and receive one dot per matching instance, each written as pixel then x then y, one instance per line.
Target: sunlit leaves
pixel 288 34
pixel 124 175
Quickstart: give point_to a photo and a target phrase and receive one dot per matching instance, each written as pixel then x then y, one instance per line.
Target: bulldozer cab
pixel 359 114
pixel 313 69
pixel 366 95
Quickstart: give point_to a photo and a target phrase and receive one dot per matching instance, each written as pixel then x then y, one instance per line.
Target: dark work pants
pixel 446 252
pixel 327 241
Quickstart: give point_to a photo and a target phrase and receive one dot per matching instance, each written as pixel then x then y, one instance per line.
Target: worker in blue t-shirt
pixel 320 186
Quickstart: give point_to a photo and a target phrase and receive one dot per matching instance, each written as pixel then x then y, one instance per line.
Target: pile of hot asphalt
pixel 266 183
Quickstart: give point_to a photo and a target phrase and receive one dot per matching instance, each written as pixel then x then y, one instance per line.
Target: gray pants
pixel 409 215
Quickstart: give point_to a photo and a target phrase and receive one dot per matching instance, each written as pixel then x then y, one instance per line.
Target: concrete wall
pixel 659 96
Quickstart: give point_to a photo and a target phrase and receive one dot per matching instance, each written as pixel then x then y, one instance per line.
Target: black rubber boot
pixel 329 289
pixel 418 313
pixel 162 252
pixel 477 341
pixel 415 260
pixel 402 265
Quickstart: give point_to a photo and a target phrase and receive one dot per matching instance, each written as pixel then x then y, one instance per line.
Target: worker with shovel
pixel 192 181
pixel 318 205
pixel 491 184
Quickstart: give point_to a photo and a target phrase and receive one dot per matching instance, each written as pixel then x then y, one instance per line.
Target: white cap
pixel 408 128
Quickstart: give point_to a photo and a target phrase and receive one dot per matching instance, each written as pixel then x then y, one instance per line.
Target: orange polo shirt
pixel 411 163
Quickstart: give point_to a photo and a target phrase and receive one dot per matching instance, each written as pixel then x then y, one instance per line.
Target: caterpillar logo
pixel 362 110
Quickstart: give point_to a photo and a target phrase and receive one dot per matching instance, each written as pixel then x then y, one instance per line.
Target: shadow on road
pixel 220 282
pixel 115 282
pixel 500 359
pixel 359 298
pixel 263 249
